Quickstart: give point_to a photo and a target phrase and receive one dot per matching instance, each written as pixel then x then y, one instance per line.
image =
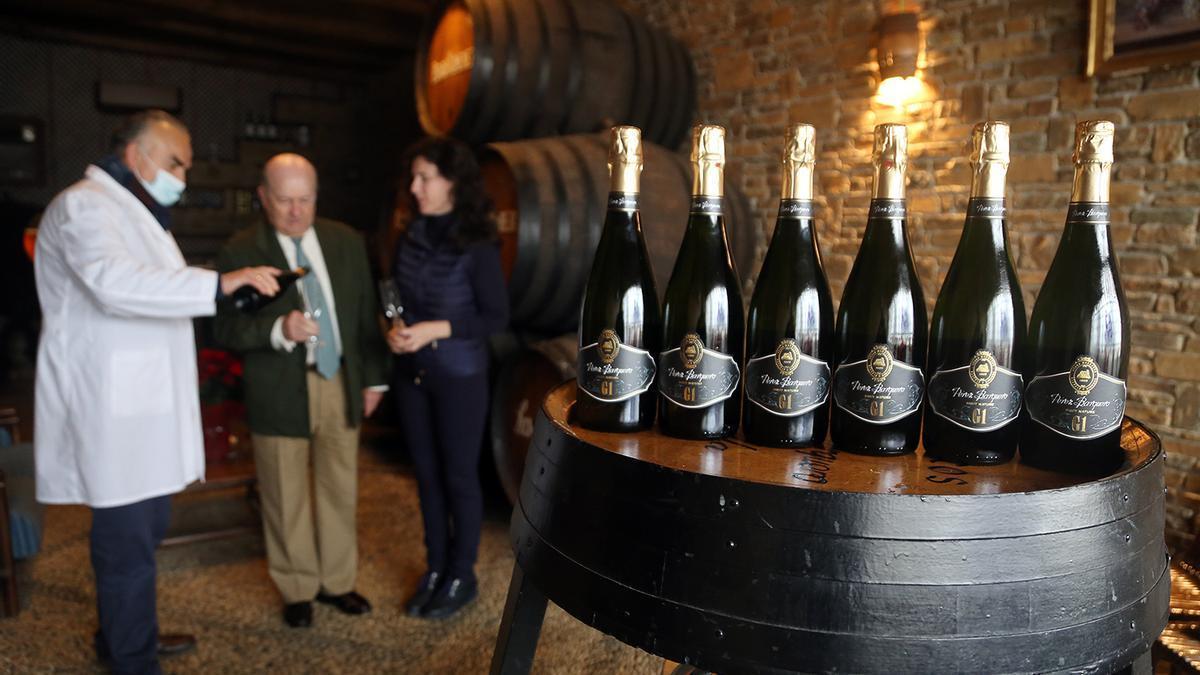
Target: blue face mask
pixel 166 188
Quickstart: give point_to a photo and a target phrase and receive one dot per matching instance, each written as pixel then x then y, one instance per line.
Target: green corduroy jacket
pixel 275 381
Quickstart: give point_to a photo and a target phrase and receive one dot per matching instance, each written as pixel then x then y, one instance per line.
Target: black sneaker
pixel 426 587
pixel 450 597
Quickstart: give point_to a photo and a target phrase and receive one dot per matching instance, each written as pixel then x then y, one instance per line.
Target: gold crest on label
pixel 879 363
pixel 982 369
pixel 691 350
pixel 787 357
pixel 1083 375
pixel 609 345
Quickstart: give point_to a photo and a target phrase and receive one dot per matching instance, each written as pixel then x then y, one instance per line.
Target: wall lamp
pixel 897 49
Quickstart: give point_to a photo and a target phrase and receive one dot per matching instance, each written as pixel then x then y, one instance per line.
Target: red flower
pixel 220 376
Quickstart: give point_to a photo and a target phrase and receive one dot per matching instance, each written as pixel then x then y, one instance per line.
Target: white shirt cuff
pixel 379 388
pixel 278 341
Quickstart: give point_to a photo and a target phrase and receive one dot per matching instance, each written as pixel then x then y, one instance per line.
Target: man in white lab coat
pixel 117 420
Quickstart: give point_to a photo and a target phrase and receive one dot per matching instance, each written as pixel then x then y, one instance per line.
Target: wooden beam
pixel 200 53
pixel 354 36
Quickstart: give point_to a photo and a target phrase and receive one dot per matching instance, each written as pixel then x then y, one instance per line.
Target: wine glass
pixel 389 297
pixel 311 313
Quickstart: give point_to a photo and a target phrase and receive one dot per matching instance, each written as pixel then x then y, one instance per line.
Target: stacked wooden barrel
pixel 536 84
pixel 497 70
pixel 550 196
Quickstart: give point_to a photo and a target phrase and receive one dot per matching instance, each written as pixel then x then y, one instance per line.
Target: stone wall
pixel 762 64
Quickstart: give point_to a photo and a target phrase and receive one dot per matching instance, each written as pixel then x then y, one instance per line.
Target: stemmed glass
pixel 389 297
pixel 313 314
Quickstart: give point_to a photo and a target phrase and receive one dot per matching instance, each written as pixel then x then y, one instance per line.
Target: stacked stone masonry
pixel 762 64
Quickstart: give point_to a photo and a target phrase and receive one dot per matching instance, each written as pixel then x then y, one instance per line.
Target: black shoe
pixel 298 614
pixel 169 644
pixel 347 603
pixel 451 596
pixel 426 587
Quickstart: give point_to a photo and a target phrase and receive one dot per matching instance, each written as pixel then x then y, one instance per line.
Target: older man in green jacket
pixel 315 365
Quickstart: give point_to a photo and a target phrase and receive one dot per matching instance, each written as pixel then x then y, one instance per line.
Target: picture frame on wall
pixel 1125 34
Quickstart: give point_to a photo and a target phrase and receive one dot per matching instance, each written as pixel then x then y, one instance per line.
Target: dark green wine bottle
pixel 247 298
pixel 619 326
pixel 789 329
pixel 978 330
pixel 1079 331
pixel 699 370
pixel 880 341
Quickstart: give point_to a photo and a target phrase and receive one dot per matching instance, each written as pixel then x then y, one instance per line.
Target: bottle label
pixel 1081 403
pixel 623 201
pixel 709 206
pixel 795 208
pixel 878 389
pixel 611 371
pixel 787 383
pixel 1088 212
pixel 984 207
pixel 980 396
pixel 888 208
pixel 695 377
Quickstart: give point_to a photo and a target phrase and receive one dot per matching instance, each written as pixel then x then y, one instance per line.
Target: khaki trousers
pixel 310 530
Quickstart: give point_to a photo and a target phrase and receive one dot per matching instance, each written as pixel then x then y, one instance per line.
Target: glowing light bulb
pixel 898 91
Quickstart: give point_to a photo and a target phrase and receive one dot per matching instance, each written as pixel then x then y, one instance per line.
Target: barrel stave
pixel 728 644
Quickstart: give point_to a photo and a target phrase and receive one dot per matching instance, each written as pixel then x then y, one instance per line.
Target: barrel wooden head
pixel 495 70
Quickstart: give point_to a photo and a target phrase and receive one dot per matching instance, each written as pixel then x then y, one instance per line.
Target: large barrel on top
pixel 741 559
pixel 506 69
pixel 550 197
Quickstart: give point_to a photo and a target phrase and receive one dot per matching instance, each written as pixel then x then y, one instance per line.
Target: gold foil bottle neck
pixel 625 159
pixel 1094 141
pixel 890 157
pixel 799 158
pixel 708 160
pixel 1093 160
pixel 989 159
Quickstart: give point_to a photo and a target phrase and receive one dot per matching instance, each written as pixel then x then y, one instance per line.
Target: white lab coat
pixel 117 419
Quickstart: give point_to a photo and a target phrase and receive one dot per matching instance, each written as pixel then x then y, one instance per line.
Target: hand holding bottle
pixel 256 287
pixel 262 279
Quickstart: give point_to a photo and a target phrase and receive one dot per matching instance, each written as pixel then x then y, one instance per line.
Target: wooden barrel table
pixel 745 559
pixel 522 382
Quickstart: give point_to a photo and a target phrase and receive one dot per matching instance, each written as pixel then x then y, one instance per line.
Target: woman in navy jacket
pixel 447 267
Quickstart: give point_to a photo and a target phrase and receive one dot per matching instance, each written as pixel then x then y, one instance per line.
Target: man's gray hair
pixel 134 125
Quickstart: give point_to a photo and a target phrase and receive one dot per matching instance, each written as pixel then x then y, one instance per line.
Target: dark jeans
pixel 443 420
pixel 123 540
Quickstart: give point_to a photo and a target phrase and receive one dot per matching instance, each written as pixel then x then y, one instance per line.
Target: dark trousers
pixel 123 540
pixel 443 420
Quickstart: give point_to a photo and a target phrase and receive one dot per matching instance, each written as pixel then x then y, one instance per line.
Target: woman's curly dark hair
pixel 456 162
